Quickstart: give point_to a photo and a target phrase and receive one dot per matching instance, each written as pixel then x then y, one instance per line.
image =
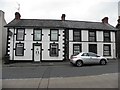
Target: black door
pixel 93 48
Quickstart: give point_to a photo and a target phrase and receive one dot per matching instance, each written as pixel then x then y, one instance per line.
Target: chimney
pixel 105 20
pixel 63 17
pixel 17 16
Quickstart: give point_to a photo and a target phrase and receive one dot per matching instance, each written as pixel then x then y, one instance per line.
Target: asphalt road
pixel 58 71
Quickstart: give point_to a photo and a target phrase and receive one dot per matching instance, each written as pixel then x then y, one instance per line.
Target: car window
pixel 92 54
pixel 84 54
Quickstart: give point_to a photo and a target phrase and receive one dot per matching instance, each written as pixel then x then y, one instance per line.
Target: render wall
pixel 28 45
pixel 85 43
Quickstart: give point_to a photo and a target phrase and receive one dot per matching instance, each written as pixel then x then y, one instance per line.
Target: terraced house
pixel 56 40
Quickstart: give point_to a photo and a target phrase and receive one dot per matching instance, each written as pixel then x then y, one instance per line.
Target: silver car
pixel 87 58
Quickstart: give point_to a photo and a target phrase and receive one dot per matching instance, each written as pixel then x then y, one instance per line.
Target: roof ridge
pixel 64 21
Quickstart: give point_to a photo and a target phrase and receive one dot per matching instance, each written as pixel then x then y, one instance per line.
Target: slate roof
pixel 47 23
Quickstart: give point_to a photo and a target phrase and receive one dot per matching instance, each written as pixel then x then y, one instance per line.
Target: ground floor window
pixel 76 49
pixel 54 50
pixel 19 49
pixel 107 50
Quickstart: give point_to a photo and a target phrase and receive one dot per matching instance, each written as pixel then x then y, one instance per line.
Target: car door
pixel 86 58
pixel 93 58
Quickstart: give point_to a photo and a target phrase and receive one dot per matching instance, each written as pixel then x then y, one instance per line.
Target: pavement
pixel 97 81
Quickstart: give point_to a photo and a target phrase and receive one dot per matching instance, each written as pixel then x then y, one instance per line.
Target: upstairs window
pixel 107 50
pixel 76 35
pixel 37 35
pixel 54 50
pixel 19 49
pixel 54 35
pixel 106 35
pixel 92 36
pixel 20 34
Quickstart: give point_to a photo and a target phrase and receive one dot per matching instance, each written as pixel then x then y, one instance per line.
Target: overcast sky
pixel 82 10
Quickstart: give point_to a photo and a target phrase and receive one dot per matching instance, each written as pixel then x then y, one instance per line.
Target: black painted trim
pixel 66 44
pixel 34 34
pixel 57 34
pixel 94 49
pixel 80 45
pixel 109 49
pixel 57 50
pixel 89 31
pixel 16 49
pixel 17 34
pixel 77 30
pixel 37 44
pixel 7 42
pixel 106 37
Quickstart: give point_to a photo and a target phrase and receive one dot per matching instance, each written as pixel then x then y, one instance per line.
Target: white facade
pixel 99 42
pixel 28 45
pixel 56 40
pixel 3 35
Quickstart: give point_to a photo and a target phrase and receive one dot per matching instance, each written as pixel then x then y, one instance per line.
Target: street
pixel 62 76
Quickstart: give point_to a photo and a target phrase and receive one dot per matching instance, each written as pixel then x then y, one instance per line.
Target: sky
pixel 81 10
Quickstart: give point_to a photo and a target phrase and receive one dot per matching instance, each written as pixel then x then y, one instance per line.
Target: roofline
pixel 58 28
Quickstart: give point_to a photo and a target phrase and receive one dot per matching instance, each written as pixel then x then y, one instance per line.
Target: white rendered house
pixel 56 40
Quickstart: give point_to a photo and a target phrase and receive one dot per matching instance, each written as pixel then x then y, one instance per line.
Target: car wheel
pixel 79 63
pixel 102 62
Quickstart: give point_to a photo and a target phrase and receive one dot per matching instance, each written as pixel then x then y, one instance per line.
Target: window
pixel 92 54
pixel 85 54
pixel 92 36
pixel 19 49
pixel 54 35
pixel 20 34
pixel 107 50
pixel 77 35
pixel 37 34
pixel 106 36
pixel 53 50
pixel 76 49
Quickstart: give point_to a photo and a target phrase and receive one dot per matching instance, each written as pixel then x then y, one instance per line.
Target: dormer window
pixel 20 34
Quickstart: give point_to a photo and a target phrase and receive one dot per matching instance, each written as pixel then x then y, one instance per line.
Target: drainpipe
pixel 13 44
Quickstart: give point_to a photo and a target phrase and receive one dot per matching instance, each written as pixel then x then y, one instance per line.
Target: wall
pixel 100 43
pixel 28 45
pixel 3 35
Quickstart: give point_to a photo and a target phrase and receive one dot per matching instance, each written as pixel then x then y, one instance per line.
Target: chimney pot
pixel 17 15
pixel 105 20
pixel 63 17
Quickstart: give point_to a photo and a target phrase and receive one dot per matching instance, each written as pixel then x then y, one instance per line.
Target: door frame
pixel 37 44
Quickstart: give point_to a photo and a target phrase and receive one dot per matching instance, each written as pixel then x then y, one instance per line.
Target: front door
pixel 37 53
pixel 93 48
